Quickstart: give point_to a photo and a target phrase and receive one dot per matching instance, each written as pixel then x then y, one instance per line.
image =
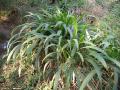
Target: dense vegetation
pixel 64 46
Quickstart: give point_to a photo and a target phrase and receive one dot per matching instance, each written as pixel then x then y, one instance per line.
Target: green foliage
pixel 2 79
pixel 7 4
pixel 112 42
pixel 66 4
pixel 4 3
pixel 62 49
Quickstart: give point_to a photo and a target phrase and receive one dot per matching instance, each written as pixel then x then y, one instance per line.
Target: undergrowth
pixel 63 53
pixel 57 50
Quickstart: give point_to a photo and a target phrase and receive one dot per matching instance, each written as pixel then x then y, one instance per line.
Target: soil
pixel 7 23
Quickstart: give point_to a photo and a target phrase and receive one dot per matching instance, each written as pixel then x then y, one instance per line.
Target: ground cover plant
pixel 113 21
pixel 63 52
pixel 76 47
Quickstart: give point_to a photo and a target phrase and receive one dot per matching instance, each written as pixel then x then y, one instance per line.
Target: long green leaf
pixel 81 56
pixel 99 58
pixel 48 56
pixel 97 69
pixel 87 79
pixel 56 81
pixel 48 46
pixel 12 52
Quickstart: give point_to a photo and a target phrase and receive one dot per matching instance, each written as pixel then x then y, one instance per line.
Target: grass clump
pixel 63 53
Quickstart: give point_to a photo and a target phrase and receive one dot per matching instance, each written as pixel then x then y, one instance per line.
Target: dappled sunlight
pixel 59 45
